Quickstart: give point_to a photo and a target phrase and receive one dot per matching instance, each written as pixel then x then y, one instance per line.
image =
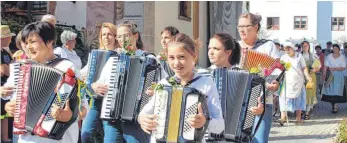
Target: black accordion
pixel 130 77
pixel 96 61
pixel 173 107
pixel 37 88
pixel 239 90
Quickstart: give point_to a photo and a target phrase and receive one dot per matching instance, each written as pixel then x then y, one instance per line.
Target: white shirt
pixel 335 63
pixel 207 87
pixel 70 55
pixel 71 134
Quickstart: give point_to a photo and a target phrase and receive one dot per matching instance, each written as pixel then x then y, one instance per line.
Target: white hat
pixel 6 32
pixel 290 44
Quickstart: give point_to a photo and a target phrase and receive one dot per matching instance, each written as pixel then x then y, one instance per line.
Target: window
pixel 338 23
pixel 273 23
pixel 184 9
pixel 40 5
pixel 300 22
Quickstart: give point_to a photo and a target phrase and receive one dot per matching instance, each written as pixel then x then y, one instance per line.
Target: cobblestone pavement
pixel 321 128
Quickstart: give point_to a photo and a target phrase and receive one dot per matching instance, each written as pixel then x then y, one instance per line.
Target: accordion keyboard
pixel 20 74
pixel 160 109
pixel 109 105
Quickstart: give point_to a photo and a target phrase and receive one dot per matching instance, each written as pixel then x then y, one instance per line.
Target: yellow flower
pixel 287 65
pixel 254 70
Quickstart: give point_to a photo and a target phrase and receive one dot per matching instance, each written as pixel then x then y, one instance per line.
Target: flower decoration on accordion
pixel 264 72
pixel 127 47
pixel 175 82
pixel 162 55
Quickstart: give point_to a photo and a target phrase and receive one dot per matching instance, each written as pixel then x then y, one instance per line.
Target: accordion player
pixel 96 61
pixel 271 68
pixel 130 77
pixel 37 88
pixel 239 90
pixel 174 105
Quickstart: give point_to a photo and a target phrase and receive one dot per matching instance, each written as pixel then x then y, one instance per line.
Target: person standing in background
pixel 6 59
pixel 68 38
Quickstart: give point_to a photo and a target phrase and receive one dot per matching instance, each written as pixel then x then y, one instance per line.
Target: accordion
pixel 273 70
pixel 96 61
pixel 239 91
pixel 37 88
pixel 167 69
pixel 173 107
pixel 130 77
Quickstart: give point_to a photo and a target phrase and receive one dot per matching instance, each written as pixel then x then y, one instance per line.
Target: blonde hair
pixel 113 30
pixel 190 45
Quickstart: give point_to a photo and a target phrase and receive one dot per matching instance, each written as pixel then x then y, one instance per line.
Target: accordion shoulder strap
pixel 55 61
pixel 259 43
pixel 195 79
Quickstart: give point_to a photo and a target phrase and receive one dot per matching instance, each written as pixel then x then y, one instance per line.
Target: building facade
pixel 315 21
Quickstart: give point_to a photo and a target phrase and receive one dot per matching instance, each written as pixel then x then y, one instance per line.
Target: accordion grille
pixel 191 108
pixel 150 77
pixel 253 102
pixel 174 120
pixel 43 81
pixel 255 59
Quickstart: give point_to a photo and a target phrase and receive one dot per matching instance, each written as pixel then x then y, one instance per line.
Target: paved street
pixel 321 128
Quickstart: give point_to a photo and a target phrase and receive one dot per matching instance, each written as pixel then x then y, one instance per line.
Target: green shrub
pixel 342 136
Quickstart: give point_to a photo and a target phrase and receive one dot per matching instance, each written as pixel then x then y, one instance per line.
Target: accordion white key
pixel 130 77
pixel 173 106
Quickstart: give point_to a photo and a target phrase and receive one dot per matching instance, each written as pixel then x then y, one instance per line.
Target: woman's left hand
pixel 198 120
pixel 62 115
pixel 259 109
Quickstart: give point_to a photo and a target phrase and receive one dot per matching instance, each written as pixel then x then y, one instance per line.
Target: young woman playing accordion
pixel 181 54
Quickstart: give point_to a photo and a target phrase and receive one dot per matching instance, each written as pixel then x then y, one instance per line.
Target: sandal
pixel 334 110
pixel 307 117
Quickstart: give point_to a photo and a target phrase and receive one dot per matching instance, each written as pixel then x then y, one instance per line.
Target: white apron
pixel 294 79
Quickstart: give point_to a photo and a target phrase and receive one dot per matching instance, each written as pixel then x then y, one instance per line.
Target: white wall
pixel 166 14
pixel 340 10
pixel 72 13
pixel 203 33
pixel 286 10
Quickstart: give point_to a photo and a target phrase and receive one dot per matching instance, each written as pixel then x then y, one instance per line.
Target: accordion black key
pixel 38 87
pixel 97 60
pixel 130 77
pixel 239 91
pixel 173 107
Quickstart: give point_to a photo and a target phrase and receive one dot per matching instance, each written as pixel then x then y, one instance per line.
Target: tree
pixel 341 40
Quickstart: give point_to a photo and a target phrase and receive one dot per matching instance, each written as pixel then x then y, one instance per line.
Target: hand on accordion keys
pixel 10 107
pixel 198 120
pixel 62 115
pixel 258 110
pixel 100 89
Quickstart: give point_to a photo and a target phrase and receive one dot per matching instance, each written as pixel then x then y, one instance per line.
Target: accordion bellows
pixel 253 59
pixel 36 88
pixel 96 61
pixel 173 107
pixel 130 77
pixel 239 91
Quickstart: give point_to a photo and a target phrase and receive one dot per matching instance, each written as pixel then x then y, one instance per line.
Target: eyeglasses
pixel 244 26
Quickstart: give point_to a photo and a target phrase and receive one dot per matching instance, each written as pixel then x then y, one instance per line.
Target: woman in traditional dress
pixel 333 90
pixel 293 93
pixel 313 65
